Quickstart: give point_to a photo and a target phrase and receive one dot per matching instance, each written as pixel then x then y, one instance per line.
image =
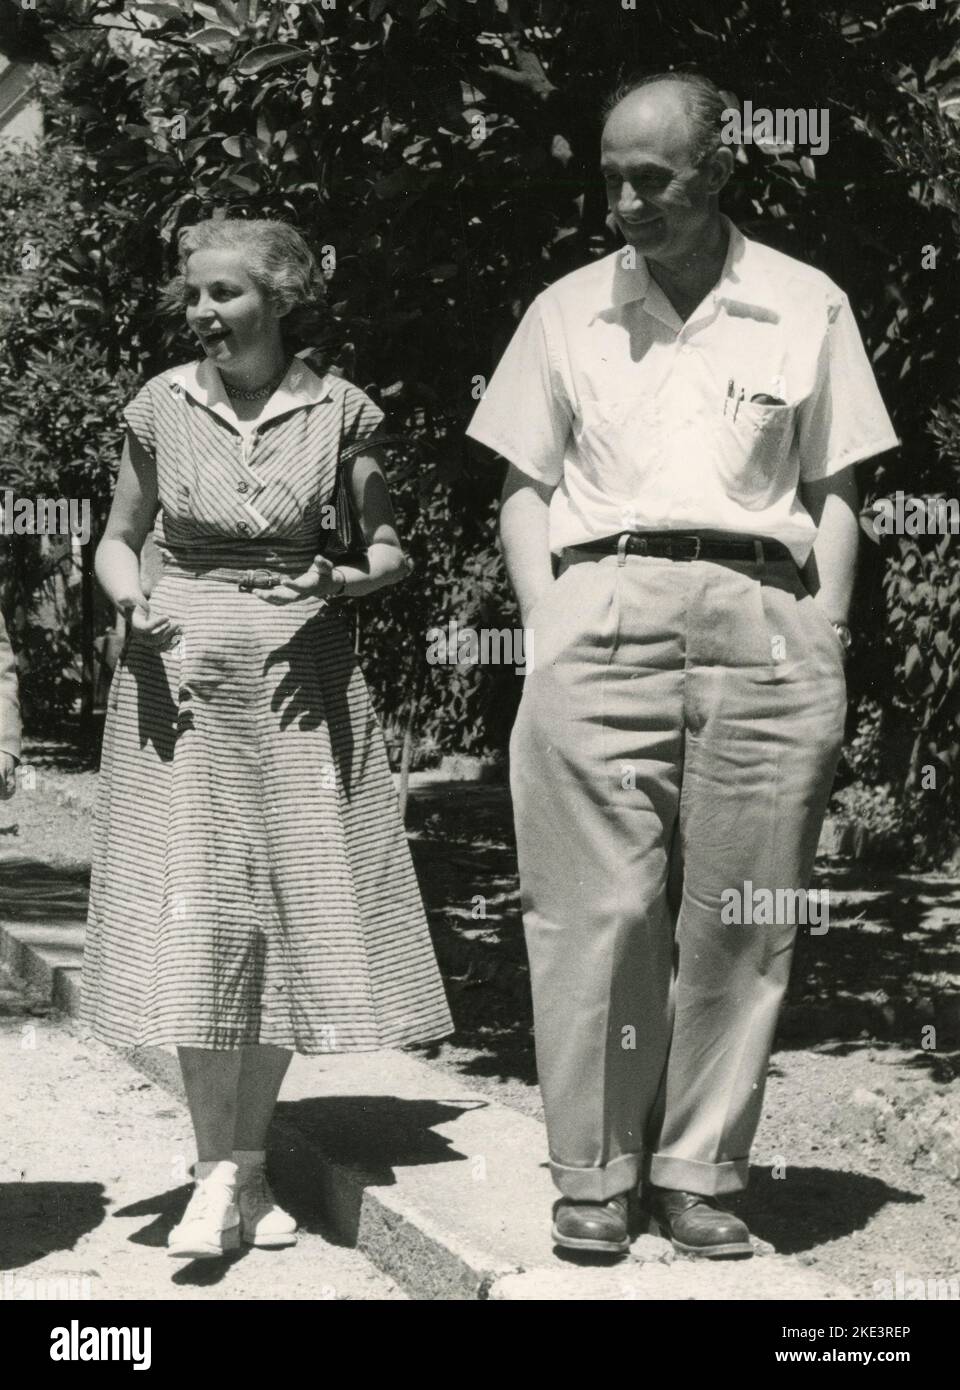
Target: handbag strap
pixel 373 442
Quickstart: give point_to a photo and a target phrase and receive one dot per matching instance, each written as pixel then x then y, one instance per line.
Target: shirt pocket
pixel 753 452
pixel 618 441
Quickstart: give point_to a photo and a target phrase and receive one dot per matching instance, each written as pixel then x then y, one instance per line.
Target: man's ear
pixel 718 169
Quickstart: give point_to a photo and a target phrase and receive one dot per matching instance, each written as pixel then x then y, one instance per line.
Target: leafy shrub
pixel 443 155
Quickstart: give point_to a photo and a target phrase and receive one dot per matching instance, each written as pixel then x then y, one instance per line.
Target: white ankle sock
pixel 222 1170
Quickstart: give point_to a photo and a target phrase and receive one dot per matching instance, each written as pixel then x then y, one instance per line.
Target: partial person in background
pixel 10 732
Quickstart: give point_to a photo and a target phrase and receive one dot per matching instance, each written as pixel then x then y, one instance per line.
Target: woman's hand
pixel 321 580
pixel 158 632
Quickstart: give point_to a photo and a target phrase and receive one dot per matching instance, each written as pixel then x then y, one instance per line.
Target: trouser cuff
pixel 621 1174
pixel 706 1179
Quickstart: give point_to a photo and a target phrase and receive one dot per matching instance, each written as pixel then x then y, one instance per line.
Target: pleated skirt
pixel 251 880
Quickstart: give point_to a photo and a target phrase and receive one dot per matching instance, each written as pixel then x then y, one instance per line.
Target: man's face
pixel 658 201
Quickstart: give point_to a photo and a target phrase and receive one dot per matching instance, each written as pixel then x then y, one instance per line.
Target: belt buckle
pixel 249 581
pixel 697 543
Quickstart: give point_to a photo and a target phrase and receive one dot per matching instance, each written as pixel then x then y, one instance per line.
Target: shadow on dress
pixel 314 687
pixel 158 714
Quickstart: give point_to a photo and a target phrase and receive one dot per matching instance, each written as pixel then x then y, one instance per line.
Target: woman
pixel 252 892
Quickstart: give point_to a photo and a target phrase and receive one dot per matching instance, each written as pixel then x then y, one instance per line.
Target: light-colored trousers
pixel 677 739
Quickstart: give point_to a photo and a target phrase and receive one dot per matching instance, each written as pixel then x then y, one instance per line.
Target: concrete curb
pixel 444 1191
pixel 46 958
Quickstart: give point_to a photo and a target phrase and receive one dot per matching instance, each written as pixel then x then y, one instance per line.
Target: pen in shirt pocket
pixel 733 395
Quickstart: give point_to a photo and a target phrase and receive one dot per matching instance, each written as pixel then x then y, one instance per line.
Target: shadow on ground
pixel 812 1205
pixel 373 1134
pixel 40 1218
pixel 31 891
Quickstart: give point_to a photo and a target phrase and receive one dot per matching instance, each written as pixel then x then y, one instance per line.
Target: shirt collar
pixel 742 281
pixel 301 386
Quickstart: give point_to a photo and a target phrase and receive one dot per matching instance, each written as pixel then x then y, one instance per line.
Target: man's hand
pixel 524 533
pixel 830 571
pixel 8 776
pixel 321 580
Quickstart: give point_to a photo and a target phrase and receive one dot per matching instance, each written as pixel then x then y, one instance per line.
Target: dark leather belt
pixel 681 545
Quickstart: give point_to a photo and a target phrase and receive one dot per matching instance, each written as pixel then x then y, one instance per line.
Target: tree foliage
pixel 441 157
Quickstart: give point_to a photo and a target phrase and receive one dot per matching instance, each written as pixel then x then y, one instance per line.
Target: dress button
pixel 243 487
pixel 243 527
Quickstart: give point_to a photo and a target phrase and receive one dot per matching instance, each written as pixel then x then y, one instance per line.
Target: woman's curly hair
pixel 276 258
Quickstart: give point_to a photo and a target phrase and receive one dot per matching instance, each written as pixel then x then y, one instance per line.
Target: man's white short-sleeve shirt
pixel 644 422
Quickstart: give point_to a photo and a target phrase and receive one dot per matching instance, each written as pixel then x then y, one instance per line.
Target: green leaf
pixel 228 14
pixel 161 9
pixel 913 662
pixel 237 181
pixel 233 145
pixel 212 39
pixel 271 55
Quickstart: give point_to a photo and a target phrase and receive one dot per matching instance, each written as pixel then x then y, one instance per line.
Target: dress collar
pixel 742 280
pixel 301 386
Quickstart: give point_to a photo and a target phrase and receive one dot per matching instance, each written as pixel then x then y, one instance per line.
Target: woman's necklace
pixel 239 393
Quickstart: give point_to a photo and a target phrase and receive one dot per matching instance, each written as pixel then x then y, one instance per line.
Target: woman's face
pixel 234 320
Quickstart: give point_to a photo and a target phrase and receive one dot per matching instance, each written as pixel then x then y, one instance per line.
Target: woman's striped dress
pixel 251 879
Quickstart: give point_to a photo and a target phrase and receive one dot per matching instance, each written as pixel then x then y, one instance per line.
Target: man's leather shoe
pixel 602 1226
pixel 696 1225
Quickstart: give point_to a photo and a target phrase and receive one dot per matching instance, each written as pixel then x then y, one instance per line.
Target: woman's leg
pixel 211 1223
pixel 262 1069
pixel 263 1222
pixel 211 1083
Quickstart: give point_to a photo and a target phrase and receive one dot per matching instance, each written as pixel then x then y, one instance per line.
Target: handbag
pixel 346 539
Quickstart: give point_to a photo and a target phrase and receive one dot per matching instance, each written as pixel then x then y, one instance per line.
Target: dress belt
pixel 677 545
pixel 246 580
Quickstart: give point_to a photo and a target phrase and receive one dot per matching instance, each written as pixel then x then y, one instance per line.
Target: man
pixel 680 421
pixel 9 717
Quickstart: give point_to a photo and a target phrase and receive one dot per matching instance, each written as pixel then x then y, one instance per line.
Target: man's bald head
pixel 683 111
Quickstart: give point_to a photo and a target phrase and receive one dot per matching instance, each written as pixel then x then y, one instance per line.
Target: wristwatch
pixel 844 635
pixel 343 581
